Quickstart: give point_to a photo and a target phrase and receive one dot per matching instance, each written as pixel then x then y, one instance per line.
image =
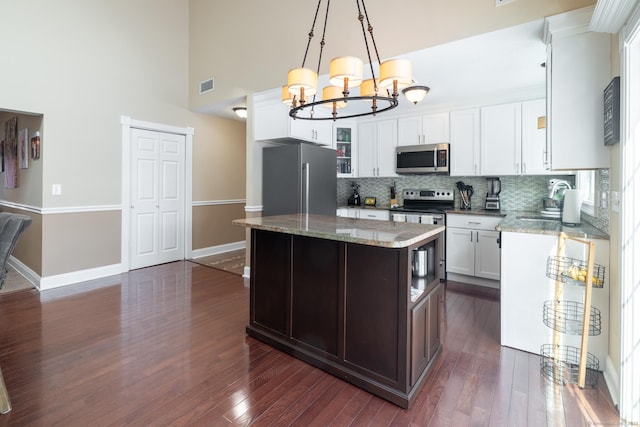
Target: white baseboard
pixel 52 282
pixel 25 271
pixel 220 249
pixel 247 272
pixel 612 380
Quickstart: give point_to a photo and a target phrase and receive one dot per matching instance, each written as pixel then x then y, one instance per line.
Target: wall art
pixel 23 147
pixel 11 153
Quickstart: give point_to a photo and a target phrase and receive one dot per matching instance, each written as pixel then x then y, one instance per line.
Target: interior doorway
pixel 156 193
pixel 156 198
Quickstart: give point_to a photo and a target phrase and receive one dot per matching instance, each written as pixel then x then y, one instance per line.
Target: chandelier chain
pixel 366 42
pixel 322 44
pixel 313 26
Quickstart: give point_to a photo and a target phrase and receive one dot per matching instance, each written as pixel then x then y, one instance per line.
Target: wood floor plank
pixel 536 414
pixel 320 405
pixel 503 391
pixel 367 415
pixel 167 346
pixel 350 412
pixel 310 395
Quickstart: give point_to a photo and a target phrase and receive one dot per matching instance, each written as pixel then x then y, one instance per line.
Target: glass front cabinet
pixel 344 142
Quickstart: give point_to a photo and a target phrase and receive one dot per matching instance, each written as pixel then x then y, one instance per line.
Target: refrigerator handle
pixel 305 196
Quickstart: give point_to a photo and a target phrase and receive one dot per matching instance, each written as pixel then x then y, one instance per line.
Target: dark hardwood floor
pixel 166 346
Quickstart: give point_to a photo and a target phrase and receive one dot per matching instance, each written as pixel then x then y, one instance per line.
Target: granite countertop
pixel 387 234
pixel 514 223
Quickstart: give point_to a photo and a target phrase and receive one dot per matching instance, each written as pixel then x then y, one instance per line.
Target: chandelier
pixel 376 94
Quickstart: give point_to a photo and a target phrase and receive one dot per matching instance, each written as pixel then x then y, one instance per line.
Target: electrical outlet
pixel 503 2
pixel 56 189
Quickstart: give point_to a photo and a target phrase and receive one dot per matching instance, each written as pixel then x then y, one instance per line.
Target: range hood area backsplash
pixel 519 193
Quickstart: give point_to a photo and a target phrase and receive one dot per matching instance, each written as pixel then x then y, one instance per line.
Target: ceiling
pixel 490 68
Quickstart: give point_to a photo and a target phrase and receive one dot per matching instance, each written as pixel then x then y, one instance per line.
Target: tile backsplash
pixel 600 220
pixel 519 193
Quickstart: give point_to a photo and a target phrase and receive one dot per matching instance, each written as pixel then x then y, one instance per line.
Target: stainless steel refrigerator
pixel 299 178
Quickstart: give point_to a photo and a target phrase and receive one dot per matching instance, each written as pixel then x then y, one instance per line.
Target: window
pixel 585 182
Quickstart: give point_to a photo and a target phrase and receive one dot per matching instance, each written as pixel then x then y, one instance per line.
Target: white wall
pixel 83 64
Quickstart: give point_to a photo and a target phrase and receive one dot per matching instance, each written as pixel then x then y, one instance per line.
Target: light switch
pixel 56 189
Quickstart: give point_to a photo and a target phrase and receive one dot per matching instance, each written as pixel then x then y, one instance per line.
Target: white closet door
pixel 157 198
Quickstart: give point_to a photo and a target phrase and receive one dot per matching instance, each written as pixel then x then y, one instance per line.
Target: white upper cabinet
pixel 376 150
pixel 272 122
pixel 465 142
pixel 425 129
pixel 534 137
pixel 316 131
pixel 578 70
pixel 500 139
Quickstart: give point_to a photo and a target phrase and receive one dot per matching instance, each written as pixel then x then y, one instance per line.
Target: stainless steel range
pixel 426 207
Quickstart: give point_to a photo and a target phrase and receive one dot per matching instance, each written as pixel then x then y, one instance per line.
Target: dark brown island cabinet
pixel 339 293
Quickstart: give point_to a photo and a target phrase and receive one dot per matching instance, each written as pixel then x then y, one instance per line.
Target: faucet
pixel 556 186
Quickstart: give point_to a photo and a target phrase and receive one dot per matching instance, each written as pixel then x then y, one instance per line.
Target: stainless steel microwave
pixel 423 158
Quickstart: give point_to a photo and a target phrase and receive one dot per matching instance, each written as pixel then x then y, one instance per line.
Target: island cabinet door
pixel 376 312
pixel 315 295
pixel 270 280
pixel 425 332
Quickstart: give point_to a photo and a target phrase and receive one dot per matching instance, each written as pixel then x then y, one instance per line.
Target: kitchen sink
pixel 537 218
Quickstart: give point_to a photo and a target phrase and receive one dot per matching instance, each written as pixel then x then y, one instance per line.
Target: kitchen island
pixel 338 293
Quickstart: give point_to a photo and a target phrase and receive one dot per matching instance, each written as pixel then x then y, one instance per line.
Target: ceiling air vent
pixel 206 86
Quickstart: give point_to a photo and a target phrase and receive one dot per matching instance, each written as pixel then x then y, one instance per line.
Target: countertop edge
pixel 352 225
pixel 512 224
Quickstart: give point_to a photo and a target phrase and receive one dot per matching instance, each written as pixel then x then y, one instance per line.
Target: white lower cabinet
pixel 374 214
pixel 378 214
pixel 473 249
pixel 525 287
pixel 347 212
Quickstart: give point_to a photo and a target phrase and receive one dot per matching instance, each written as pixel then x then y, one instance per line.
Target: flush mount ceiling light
pixel 380 93
pixel 240 112
pixel 415 94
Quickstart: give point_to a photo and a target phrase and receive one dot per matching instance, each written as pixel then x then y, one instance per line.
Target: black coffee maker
pixel 354 199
